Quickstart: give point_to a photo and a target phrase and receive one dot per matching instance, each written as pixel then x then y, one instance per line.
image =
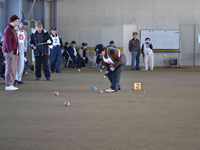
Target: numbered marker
pixel 137 86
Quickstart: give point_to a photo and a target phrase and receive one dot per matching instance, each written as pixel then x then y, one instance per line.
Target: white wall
pixel 96 21
pixel 101 20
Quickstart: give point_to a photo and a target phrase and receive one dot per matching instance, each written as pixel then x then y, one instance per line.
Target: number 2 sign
pixel 137 86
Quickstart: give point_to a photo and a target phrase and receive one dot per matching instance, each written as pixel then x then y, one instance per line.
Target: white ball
pixel 100 70
pixel 79 69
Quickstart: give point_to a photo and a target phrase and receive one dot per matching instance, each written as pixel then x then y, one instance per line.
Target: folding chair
pixel 66 64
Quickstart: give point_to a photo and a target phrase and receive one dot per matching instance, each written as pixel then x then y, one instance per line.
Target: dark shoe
pixel 37 79
pixel 52 71
pixel 20 82
pixel 58 72
pixel 48 79
pixel 119 89
pixel 138 69
pixel 15 82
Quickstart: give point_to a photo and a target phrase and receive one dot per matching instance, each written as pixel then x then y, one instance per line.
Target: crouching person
pixel 39 41
pixel 115 60
pixel 148 54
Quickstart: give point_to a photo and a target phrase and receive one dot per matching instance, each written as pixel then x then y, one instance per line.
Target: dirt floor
pixel 33 118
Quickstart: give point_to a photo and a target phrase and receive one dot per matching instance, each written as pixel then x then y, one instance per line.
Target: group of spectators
pixel 15 42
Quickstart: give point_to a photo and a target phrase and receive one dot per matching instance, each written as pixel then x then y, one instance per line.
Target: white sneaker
pixel 103 67
pixel 11 88
pixel 151 69
pixel 109 90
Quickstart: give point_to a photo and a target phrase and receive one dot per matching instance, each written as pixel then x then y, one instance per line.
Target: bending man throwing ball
pixel 115 60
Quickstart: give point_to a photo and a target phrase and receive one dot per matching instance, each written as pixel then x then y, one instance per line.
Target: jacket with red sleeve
pixel 10 40
pixel 116 56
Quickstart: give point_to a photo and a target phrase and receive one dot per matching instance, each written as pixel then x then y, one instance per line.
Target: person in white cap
pixel 22 39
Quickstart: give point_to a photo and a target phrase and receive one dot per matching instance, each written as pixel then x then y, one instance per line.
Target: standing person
pixel 134 48
pixel 98 49
pixel 75 55
pixel 115 60
pixel 22 39
pixel 10 52
pixel 112 44
pixel 56 51
pixel 84 53
pixel 39 41
pixel 148 54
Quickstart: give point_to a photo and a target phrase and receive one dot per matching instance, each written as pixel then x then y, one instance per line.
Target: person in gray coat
pixel 134 48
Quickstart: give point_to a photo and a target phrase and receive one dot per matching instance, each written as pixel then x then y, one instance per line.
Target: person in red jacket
pixel 10 52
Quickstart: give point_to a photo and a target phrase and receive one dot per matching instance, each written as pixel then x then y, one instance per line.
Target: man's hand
pixel 49 41
pixel 112 68
pixel 10 55
pixel 34 47
pixel 106 73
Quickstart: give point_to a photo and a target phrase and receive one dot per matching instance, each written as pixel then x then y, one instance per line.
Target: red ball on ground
pixel 100 91
pixel 56 93
pixel 67 103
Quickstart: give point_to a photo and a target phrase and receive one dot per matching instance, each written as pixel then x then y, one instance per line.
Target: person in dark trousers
pixel 134 48
pixel 10 52
pixel 98 49
pixel 84 52
pixel 39 42
pixel 115 60
pixel 75 55
pixel 112 44
pixel 26 65
pixel 65 52
pixel 56 51
pixel 2 64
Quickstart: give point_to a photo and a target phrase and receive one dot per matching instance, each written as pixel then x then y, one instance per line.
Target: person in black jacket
pixel 39 41
pixel 2 64
pixel 134 48
pixel 98 49
pixel 65 52
pixel 75 55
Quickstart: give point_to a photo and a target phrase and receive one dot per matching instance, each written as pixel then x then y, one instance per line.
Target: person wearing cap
pixel 66 52
pixel 98 49
pixel 75 55
pixel 84 52
pixel 112 44
pixel 56 51
pixel 22 39
pixel 134 48
pixel 39 43
pixel 10 52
